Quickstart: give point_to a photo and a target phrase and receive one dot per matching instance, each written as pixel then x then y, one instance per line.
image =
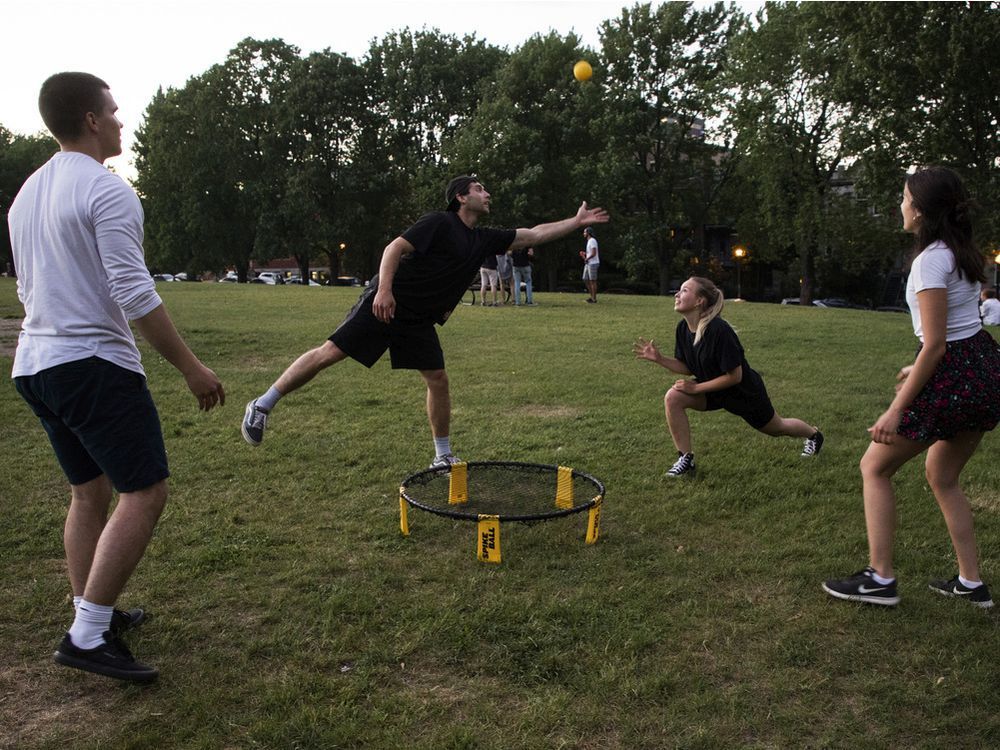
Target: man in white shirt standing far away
pixel 592 261
pixel 76 231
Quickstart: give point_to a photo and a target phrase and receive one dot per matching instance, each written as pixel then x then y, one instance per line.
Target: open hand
pixel 646 350
pixel 587 216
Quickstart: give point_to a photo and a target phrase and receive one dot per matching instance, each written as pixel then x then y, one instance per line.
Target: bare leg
pixel 676 403
pixel 88 514
pixel 438 402
pixel 945 461
pixel 306 367
pixel 779 426
pixel 123 542
pixel 878 466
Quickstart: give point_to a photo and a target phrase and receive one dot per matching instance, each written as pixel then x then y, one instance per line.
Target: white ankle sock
pixel 270 399
pixel 969 584
pixel 91 621
pixel 442 446
pixel 880 580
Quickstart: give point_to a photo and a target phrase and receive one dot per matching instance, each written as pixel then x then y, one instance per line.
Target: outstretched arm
pixel 542 233
pixel 647 350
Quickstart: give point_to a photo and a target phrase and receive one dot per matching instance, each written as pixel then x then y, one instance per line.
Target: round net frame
pixel 507 490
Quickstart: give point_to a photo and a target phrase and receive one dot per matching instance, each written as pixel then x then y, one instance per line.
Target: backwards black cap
pixel 458 186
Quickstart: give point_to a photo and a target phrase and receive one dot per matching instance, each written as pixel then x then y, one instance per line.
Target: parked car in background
pixel 269 277
pixel 229 278
pixel 298 280
pixel 163 277
pixel 345 281
pixel 183 276
pixel 838 302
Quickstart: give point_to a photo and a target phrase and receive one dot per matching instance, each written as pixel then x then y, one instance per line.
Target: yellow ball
pixel 582 71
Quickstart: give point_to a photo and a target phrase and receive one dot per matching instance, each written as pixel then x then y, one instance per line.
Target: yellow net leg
pixel 488 540
pixel 404 523
pixel 594 522
pixel 458 485
pixel 564 487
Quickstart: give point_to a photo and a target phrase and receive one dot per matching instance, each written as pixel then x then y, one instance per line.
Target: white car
pixel 269 277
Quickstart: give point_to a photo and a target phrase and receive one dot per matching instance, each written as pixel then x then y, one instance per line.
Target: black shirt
pixel 520 257
pixel 446 258
pixel 718 352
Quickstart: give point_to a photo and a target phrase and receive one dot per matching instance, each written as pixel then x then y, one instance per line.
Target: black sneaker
pixel 979 596
pixel 111 659
pixel 861 587
pixel 125 620
pixel 254 422
pixel 683 465
pixel 813 444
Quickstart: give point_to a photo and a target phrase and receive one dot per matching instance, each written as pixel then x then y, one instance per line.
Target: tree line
pixel 788 132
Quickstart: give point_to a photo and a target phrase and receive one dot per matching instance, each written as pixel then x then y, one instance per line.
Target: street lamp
pixel 740 254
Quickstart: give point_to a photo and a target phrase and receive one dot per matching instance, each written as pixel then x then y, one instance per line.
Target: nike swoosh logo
pixel 866 590
pixel 956 592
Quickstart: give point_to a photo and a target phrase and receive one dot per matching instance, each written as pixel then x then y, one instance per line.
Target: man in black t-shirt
pixel 423 274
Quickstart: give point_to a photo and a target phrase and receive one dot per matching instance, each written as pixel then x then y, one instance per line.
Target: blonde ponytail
pixel 714 301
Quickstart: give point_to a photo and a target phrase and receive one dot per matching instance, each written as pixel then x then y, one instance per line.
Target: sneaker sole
pixel 885 601
pixel 243 431
pixel 982 605
pixel 148 675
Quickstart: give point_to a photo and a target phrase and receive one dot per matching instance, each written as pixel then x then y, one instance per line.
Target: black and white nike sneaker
pixel 978 596
pixel 861 587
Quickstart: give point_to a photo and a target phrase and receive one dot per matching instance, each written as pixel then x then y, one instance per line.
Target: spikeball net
pixel 494 492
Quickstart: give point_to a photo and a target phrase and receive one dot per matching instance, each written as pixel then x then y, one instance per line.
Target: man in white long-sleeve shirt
pixel 76 232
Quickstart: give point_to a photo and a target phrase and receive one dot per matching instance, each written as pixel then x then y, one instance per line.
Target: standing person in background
pixel 945 401
pixel 505 273
pixel 989 310
pixel 592 262
pixel 488 278
pixel 521 261
pixel 76 232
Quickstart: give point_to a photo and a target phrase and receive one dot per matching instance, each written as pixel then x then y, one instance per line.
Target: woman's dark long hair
pixel 945 206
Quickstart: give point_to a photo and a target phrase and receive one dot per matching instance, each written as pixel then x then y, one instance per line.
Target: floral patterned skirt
pixel 963 394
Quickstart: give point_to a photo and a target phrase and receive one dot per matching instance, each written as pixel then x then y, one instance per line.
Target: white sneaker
pixel 443 462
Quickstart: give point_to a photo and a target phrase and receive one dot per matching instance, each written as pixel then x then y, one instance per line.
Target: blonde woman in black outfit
pixel 707 348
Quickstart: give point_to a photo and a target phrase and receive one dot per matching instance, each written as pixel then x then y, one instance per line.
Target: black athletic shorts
pixel 756 411
pixel 413 343
pixel 100 419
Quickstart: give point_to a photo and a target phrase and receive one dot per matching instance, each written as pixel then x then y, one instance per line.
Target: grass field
pixel 289 612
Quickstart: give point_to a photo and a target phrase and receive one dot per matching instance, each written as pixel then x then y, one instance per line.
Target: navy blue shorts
pixel 412 344
pixel 100 419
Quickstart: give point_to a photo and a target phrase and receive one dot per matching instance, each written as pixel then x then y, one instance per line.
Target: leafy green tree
pixel 530 140
pixel 423 87
pixel 20 156
pixel 210 158
pixel 923 78
pixel 790 127
pixel 318 205
pixel 663 82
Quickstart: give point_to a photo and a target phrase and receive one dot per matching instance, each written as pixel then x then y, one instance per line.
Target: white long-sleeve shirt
pixel 76 232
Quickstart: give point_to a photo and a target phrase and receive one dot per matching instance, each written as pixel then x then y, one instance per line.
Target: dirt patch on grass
pixel 549 412
pixel 9 329
pixel 35 708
